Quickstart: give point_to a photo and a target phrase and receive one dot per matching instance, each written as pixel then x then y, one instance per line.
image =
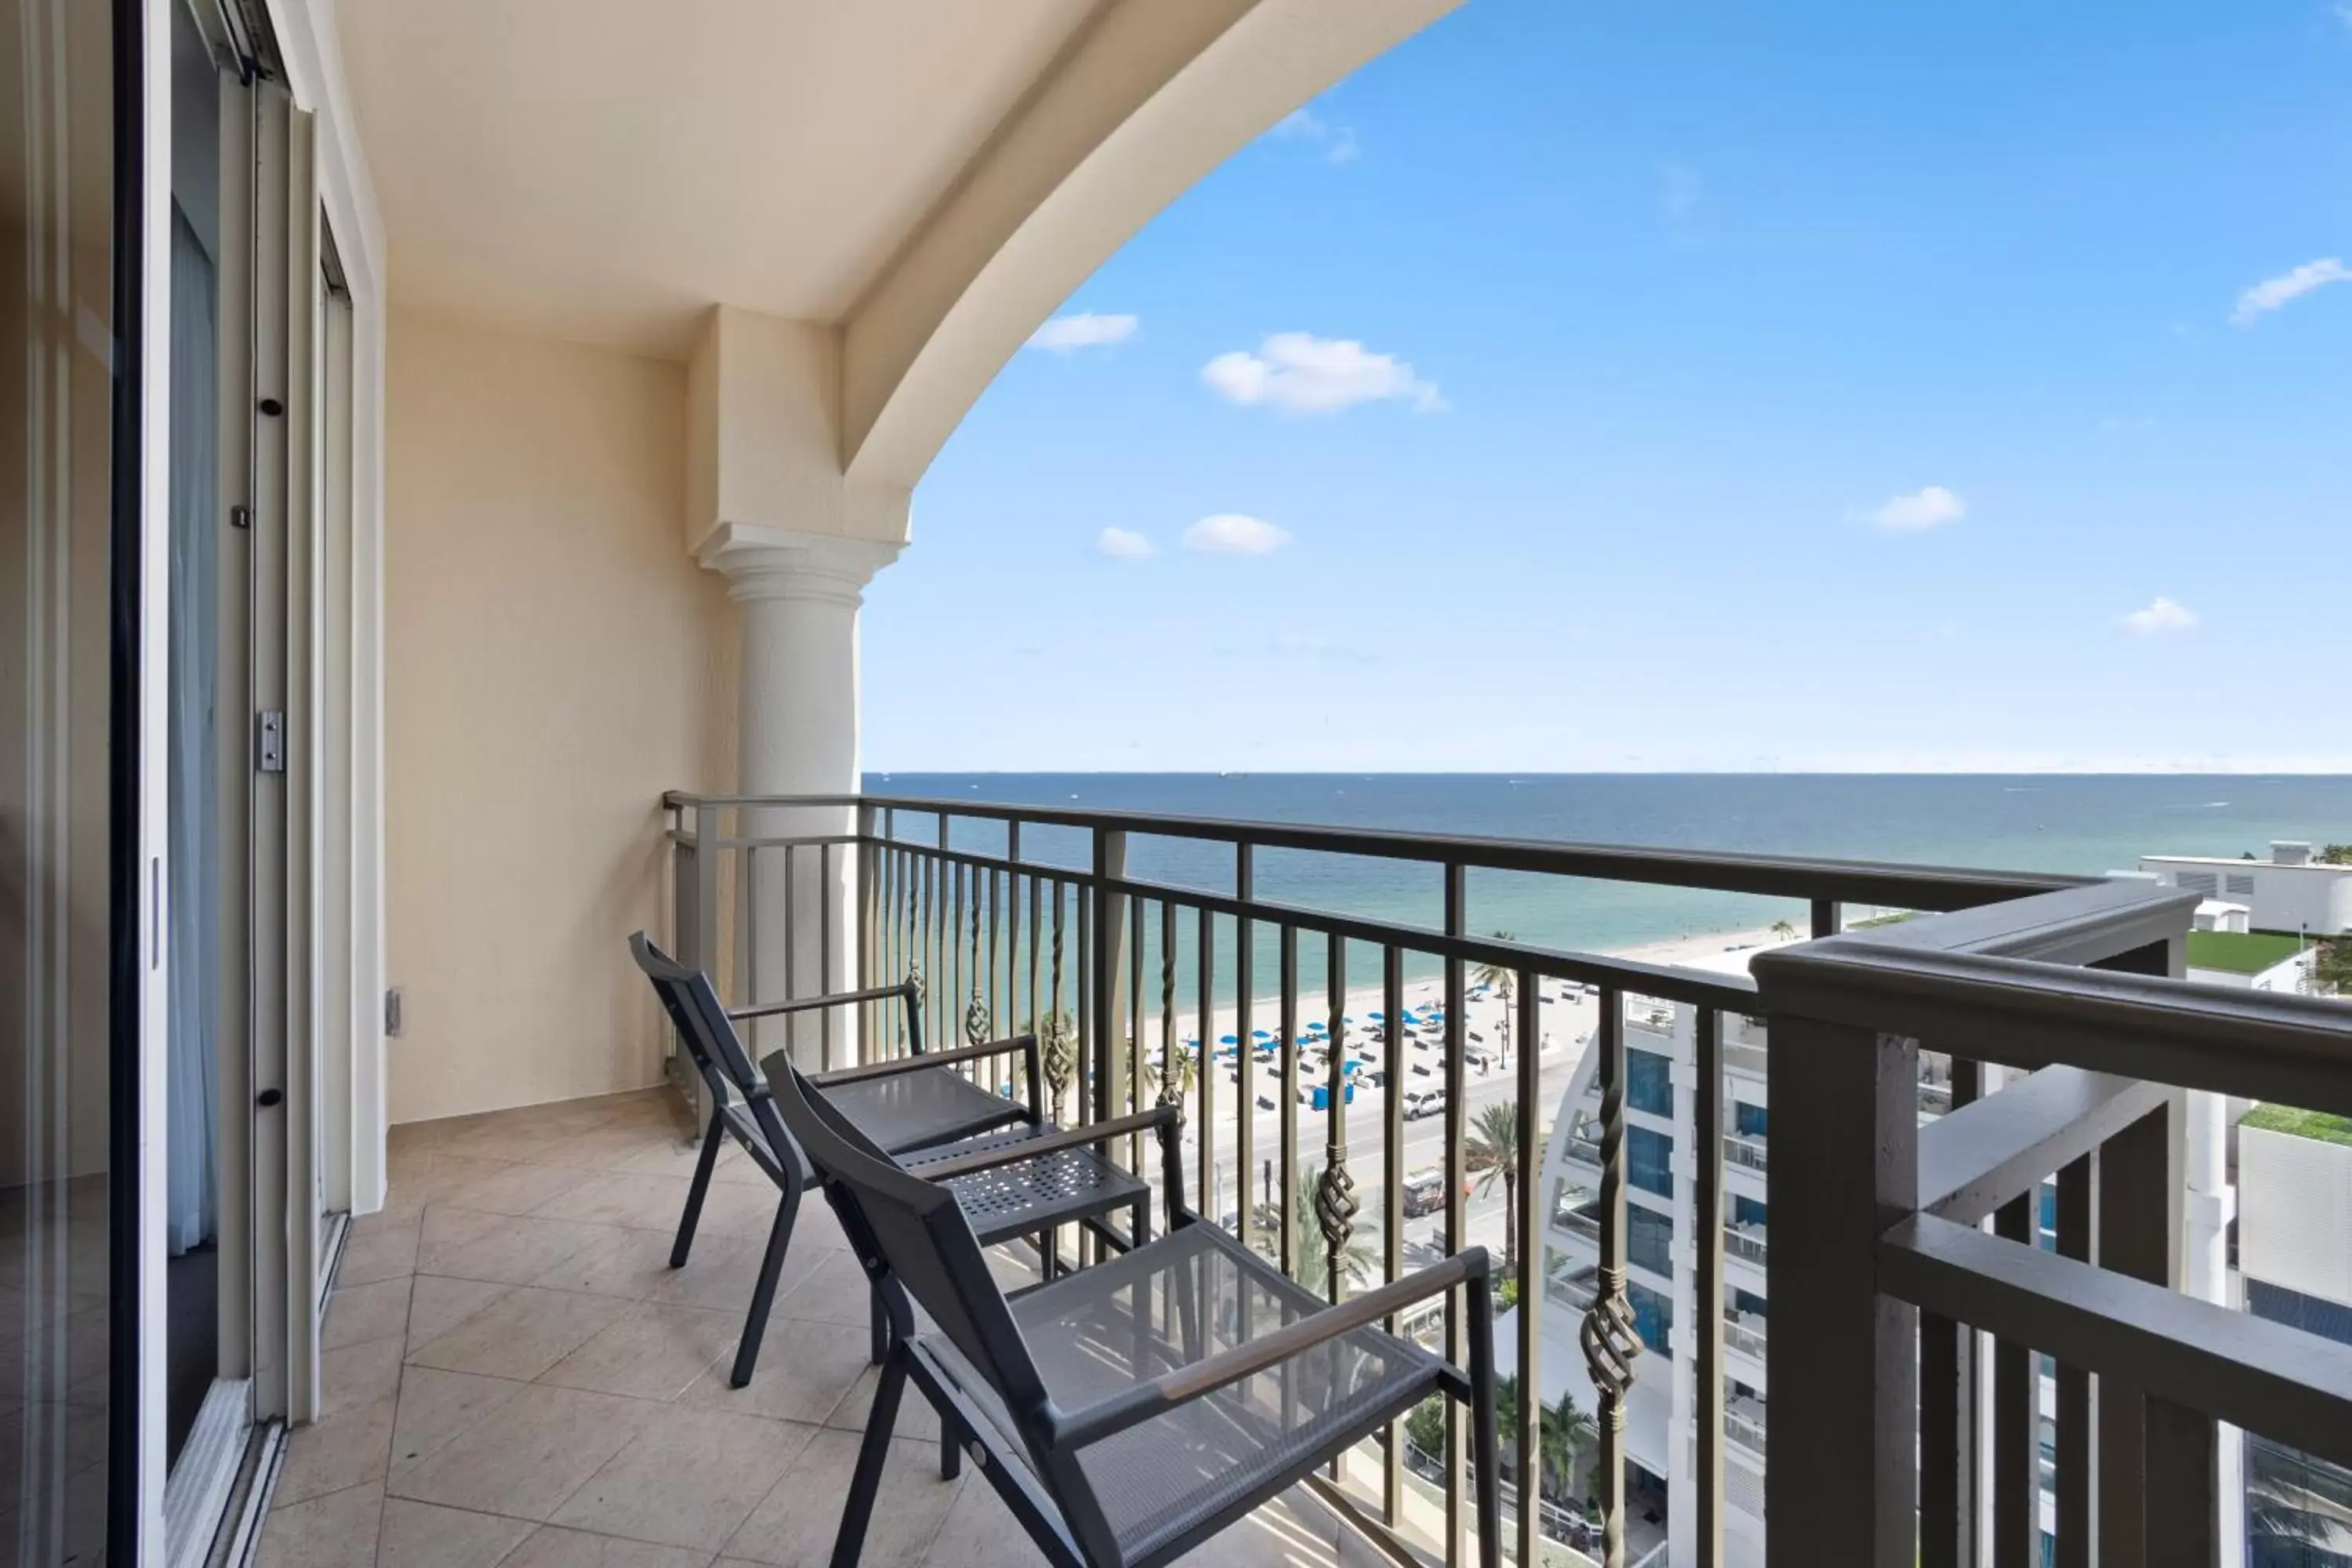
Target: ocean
pixel 2039 822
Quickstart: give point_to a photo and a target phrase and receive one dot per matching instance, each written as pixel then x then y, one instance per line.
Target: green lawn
pixel 2316 1124
pixel 2240 953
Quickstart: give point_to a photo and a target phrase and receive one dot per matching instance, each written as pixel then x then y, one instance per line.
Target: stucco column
pixel 798 715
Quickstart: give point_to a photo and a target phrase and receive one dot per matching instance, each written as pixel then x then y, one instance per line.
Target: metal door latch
pixel 269 741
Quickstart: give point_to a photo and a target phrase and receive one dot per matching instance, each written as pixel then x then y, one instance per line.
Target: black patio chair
pixel 1015 1173
pixel 1128 1412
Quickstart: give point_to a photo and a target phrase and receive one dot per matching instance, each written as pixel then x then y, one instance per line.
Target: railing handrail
pixel 1891 885
pixel 2024 1013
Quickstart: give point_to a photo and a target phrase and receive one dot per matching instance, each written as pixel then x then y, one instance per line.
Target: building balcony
pixel 1745 1335
pixel 1743 1423
pixel 1745 1242
pixel 1742 1150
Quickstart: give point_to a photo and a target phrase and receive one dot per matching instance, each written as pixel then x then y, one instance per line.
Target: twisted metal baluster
pixel 975 1012
pixel 1335 1189
pixel 1059 1062
pixel 1610 1344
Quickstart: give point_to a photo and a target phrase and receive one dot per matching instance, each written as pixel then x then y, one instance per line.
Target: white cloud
pixel 1231 533
pixel 1920 510
pixel 1299 372
pixel 1123 544
pixel 1338 142
pixel 1084 330
pixel 2161 615
pixel 2272 292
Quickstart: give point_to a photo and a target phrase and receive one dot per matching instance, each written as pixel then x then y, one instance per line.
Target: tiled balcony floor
pixel 514 1374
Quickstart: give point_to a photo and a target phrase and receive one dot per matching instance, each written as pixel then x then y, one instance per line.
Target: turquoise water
pixel 2065 823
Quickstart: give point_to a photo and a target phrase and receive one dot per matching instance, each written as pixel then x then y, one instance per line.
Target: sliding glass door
pixel 74 877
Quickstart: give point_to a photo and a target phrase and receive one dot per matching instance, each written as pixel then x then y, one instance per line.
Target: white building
pixel 1661 1078
pixel 2288 892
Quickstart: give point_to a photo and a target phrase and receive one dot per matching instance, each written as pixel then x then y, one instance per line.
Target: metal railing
pixel 1015 918
pixel 2080 1060
pixel 1746 1243
pixel 1745 1429
pixel 1742 1150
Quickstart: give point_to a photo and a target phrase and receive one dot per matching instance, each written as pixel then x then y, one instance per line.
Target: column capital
pixel 781 563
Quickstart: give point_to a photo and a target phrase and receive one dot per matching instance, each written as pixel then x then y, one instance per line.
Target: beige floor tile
pixel 1293 1531
pixel 676 1157
pixel 384 1253
pixel 635 1198
pixel 979 1533
pixel 437 1305
pixel 452 1173
pixel 917 1420
pixel 633 1264
pixel 358 1374
pixel 423 1535
pixel 744 1208
pixel 720 1271
pixel 604 1147
pixel 690 1480
pixel 524 1458
pixel 796 1524
pixel 366 1312
pixel 336 1451
pixel 438 1407
pixel 513 1189
pixel 337 1531
pixel 805 1369
pixel 833 1291
pixel 651 1352
pixel 520 1334
pixel 553 1547
pixel 506 1249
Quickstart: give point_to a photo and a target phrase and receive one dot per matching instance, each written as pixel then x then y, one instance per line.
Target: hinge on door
pixel 269 741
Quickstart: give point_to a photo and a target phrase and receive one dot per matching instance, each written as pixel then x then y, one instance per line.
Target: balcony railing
pixel 1746 1243
pixel 1745 1337
pixel 1082 926
pixel 1742 1150
pixel 1745 1427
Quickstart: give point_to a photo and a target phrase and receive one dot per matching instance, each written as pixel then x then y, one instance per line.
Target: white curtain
pixel 192 1131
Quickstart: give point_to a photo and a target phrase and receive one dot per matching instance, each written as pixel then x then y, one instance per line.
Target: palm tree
pixel 1563 1433
pixel 1502 978
pixel 1566 1433
pixel 1360 1259
pixel 1184 1072
pixel 1783 929
pixel 1493 1156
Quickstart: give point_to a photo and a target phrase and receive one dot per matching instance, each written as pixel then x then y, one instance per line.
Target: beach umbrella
pixel 1260 1034
pixel 1227 1040
pixel 1379 1017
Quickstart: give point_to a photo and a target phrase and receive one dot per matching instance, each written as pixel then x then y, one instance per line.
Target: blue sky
pixel 1949 385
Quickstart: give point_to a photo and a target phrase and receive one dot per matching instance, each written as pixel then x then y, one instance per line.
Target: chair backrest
pixel 917 1231
pixel 709 1038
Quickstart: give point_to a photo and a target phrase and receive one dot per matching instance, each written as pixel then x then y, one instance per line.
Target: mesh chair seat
pixel 1193 1293
pixel 1051 1189
pixel 917 1110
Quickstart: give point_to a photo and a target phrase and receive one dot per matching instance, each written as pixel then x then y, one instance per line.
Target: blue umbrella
pixel 1379 1017
pixel 1227 1040
pixel 1260 1034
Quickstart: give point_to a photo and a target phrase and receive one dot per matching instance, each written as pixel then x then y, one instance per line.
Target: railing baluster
pixel 1947 1412
pixel 1335 1189
pixel 1454 1120
pixel 1172 1091
pixel 793 1027
pixel 2133 1186
pixel 1287 1110
pixel 1393 1174
pixel 1528 1243
pixel 1611 1349
pixel 1707 1286
pixel 1140 917
pixel 2016 1422
pixel 1204 1064
pixel 2182 1519
pixel 1244 1051
pixel 825 980
pixel 2075 1186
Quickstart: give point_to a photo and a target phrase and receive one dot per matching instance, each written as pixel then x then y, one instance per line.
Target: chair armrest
pixel 1034 1148
pixel 833 999
pixel 840 1075
pixel 1185 1384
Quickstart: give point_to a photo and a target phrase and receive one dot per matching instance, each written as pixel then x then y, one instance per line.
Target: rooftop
pixel 2241 952
pixel 2314 1124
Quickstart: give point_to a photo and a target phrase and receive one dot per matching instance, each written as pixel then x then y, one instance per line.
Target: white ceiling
pixel 601 171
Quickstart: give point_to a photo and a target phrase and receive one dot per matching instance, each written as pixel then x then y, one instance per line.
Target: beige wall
pixel 553 661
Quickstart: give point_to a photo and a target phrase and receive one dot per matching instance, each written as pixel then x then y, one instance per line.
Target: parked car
pixel 1420 1102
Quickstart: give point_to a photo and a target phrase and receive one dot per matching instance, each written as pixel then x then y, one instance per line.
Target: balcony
pixel 1744 1334
pixel 1009 915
